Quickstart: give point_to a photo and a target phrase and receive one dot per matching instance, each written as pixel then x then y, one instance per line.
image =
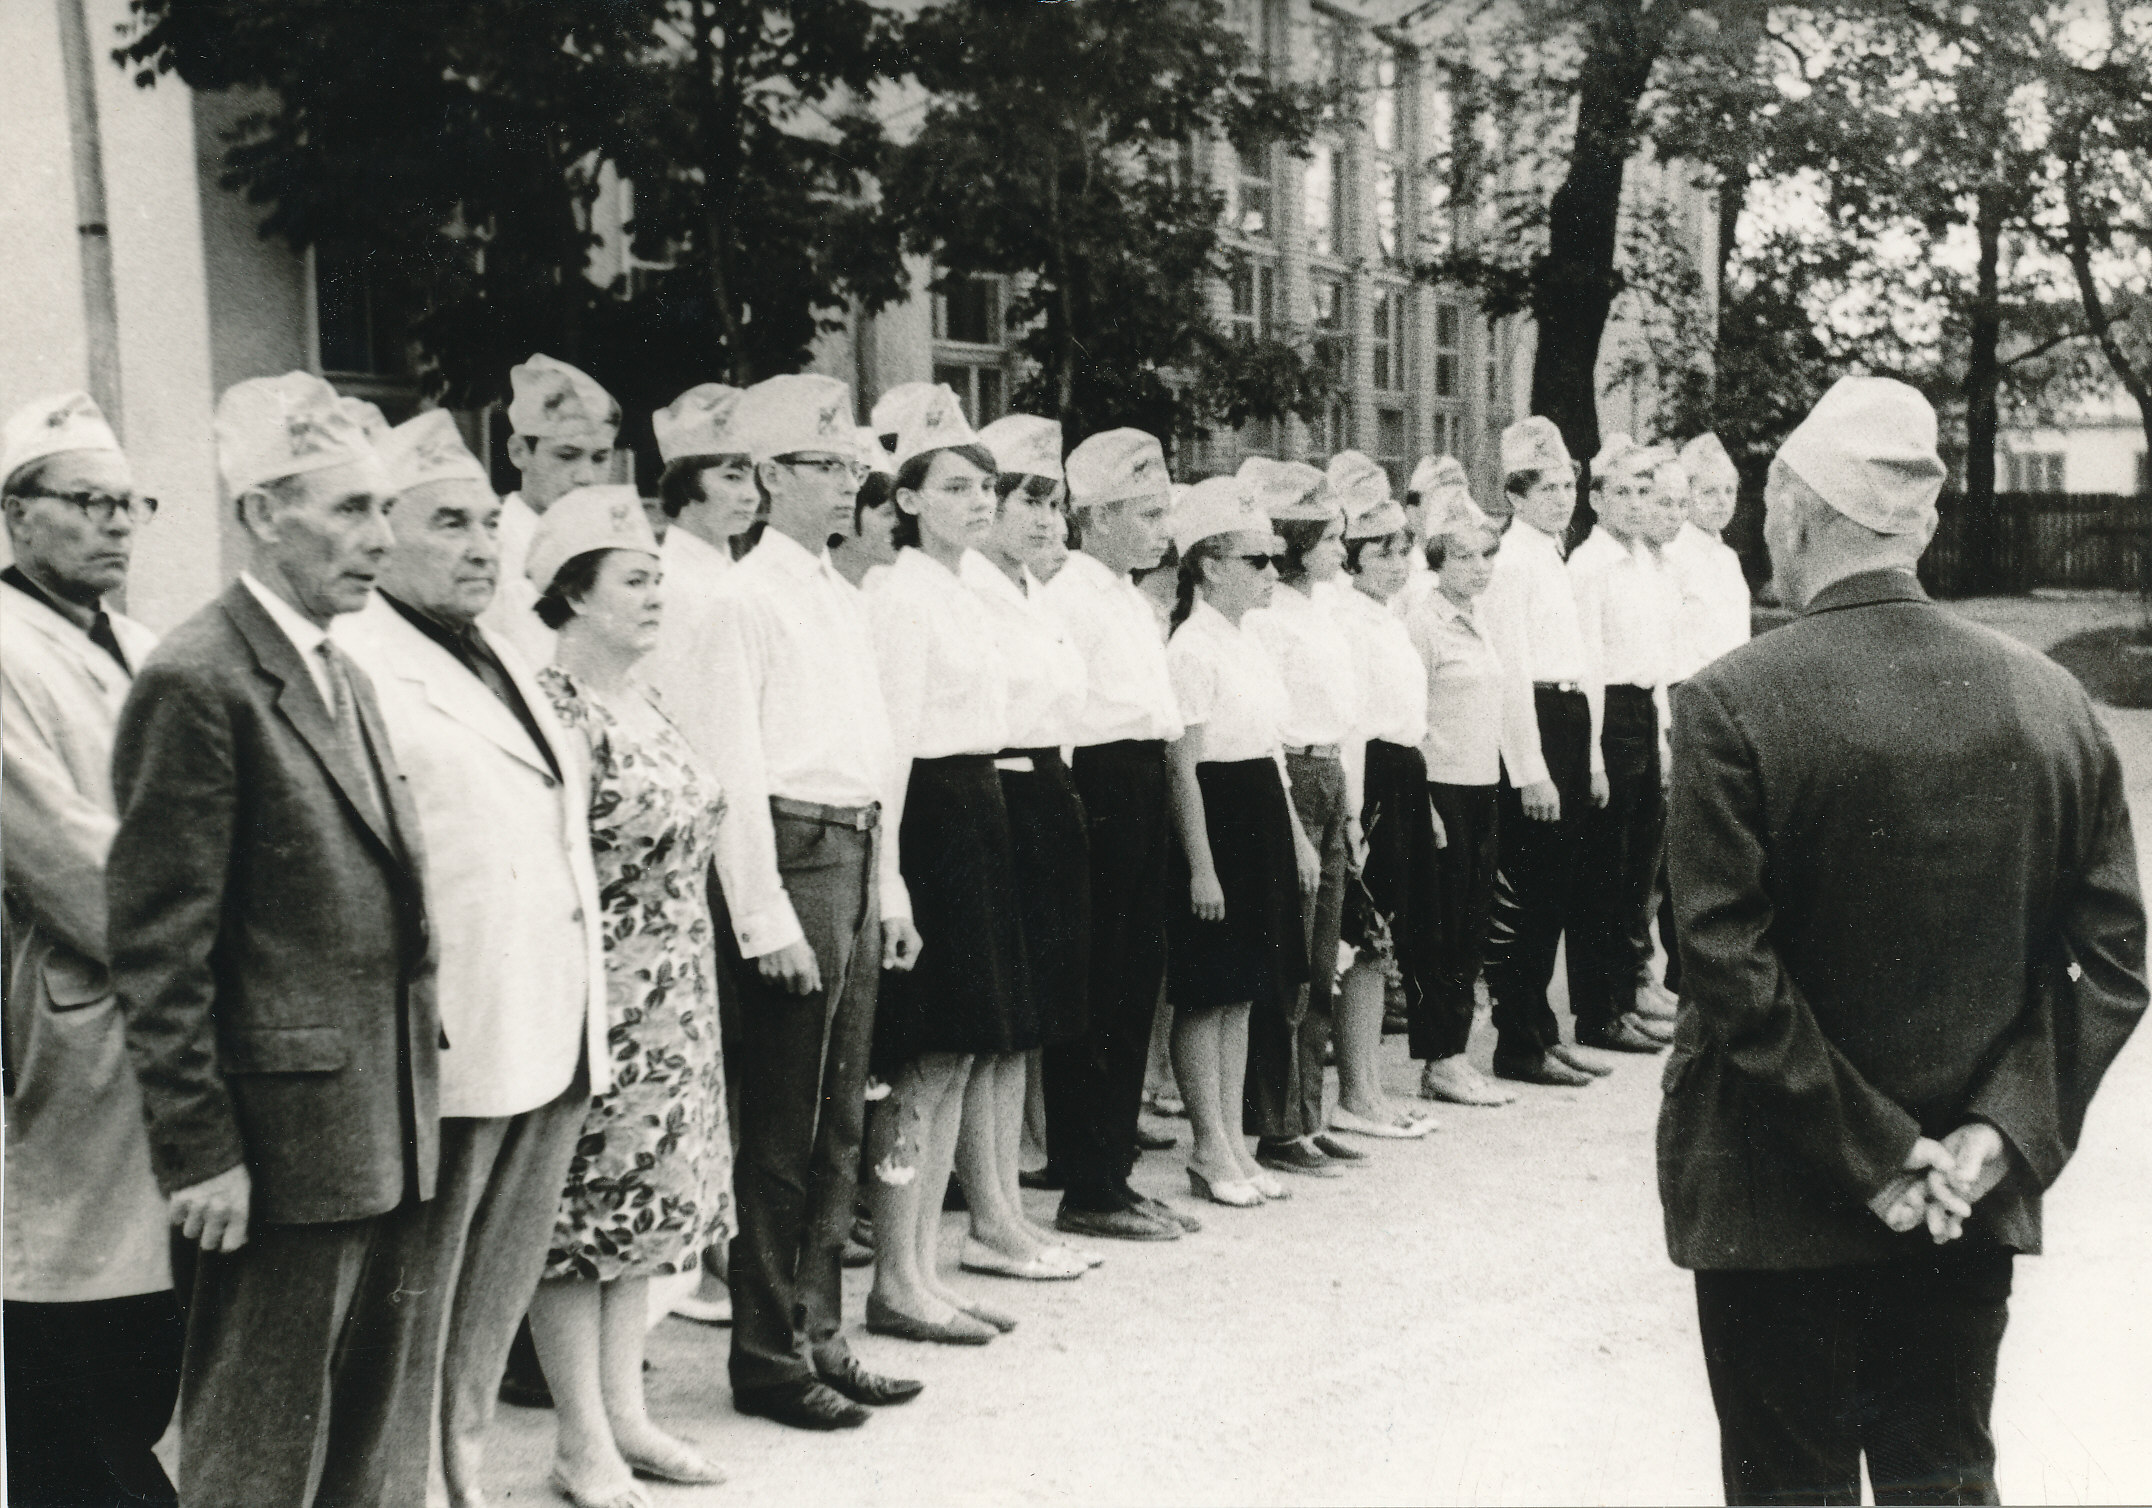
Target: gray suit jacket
pixel 1905 891
pixel 269 937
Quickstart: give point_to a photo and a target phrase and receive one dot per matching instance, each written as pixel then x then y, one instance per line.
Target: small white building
pixel 2096 446
pixel 133 274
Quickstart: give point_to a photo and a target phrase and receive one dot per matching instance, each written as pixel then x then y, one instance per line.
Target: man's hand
pixel 214 1211
pixel 1904 1202
pixel 1542 802
pixel 792 969
pixel 1982 1159
pixel 1309 863
pixel 1602 793
pixel 1206 897
pixel 900 944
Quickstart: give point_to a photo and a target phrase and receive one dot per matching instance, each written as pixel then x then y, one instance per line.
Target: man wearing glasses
pixel 93 1326
pixel 814 906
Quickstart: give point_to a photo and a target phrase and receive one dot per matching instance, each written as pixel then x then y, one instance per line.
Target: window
pixel 1448 429
pixel 1389 171
pixel 1254 289
pixel 1389 188
pixel 2038 471
pixel 1251 18
pixel 1332 342
pixel 357 336
pixel 967 310
pixel 1391 448
pixel 1449 323
pixel 1248 198
pixel 1331 430
pixel 1320 190
pixel 978 389
pixel 1385 111
pixel 1389 341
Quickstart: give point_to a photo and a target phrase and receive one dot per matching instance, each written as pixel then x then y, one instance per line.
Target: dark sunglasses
pixel 1257 562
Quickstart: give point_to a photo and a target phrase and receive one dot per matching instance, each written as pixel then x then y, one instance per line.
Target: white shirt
pixel 1304 638
pixel 1227 685
pixel 788 654
pixel 1715 600
pixel 1115 629
pixel 1393 683
pixel 1467 688
pixel 1529 614
pixel 1627 601
pixel 694 569
pixel 305 634
pixel 1046 677
pixel 944 678
pixel 513 615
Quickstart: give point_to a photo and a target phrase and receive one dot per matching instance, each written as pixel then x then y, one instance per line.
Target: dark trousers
pixel 310 1367
pixel 90 1389
pixel 1284 1092
pixel 802 1107
pixel 1620 856
pixel 1812 1369
pixel 1094 1085
pixel 1440 1024
pixel 1538 878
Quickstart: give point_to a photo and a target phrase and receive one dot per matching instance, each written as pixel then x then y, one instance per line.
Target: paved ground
pixel 1484 1317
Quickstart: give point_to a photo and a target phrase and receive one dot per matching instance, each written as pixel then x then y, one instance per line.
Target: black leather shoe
pixel 1336 1150
pixel 1048 1177
pixel 1619 1037
pixel 1158 1209
pixel 802 1405
pixel 1545 1070
pixel 1116 1225
pixel 1295 1157
pixel 848 1377
pixel 523 1383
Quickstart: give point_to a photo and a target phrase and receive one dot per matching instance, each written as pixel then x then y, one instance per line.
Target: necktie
pixel 104 638
pixel 344 715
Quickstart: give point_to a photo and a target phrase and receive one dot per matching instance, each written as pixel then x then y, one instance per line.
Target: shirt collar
pixel 687 546
pixel 781 551
pixel 16 577
pixel 305 636
pixel 455 638
pixel 988 579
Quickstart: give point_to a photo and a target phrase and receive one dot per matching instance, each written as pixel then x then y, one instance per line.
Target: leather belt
pixel 1312 751
pixel 1556 686
pixel 859 818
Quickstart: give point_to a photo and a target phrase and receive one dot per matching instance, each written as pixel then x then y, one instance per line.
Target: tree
pixel 1554 97
pixel 454 153
pixel 1059 148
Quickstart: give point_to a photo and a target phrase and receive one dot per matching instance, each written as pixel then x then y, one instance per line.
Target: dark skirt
pixel 1052 851
pixel 1402 873
pixel 1257 954
pixel 971 990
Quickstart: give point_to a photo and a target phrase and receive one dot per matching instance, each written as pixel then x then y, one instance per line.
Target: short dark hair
pixel 680 484
pixel 1300 535
pixel 1037 489
pixel 879 490
pixel 1520 483
pixel 912 476
pixel 571 584
pixel 1191 576
pixel 1355 548
pixel 26 478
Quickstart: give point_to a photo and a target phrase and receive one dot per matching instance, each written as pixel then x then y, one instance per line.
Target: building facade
pixel 137 277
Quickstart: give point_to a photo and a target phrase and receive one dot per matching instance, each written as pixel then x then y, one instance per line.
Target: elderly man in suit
pixel 270 948
pixel 93 1328
pixel 1912 942
pixel 503 810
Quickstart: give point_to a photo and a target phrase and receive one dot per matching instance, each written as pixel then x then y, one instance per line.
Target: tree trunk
pixel 719 96
pixel 1575 283
pixel 1983 374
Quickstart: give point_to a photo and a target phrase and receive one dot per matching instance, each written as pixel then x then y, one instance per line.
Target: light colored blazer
pixel 85 1219
pixel 512 895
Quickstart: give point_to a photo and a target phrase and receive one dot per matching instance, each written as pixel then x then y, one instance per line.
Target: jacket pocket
pixel 72 982
pixel 285 1049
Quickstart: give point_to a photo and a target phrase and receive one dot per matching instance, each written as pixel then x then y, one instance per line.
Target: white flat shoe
pixel 1047 1267
pixel 1342 1119
pixel 703 1311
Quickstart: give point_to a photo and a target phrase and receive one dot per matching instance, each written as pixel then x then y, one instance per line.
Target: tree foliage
pixel 453 153
pixel 1059 147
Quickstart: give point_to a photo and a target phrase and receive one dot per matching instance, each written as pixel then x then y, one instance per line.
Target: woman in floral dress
pixel 651 1182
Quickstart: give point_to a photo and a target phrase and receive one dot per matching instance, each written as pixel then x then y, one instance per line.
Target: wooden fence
pixel 2040 539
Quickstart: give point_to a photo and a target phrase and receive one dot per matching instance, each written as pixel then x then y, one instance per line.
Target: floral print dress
pixel 651 1182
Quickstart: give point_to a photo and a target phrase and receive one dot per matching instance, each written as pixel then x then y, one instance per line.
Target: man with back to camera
pixel 271 952
pixel 564 425
pixel 93 1325
pixel 1906 896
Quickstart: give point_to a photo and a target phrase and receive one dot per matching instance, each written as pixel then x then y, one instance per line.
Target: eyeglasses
pixel 824 466
pixel 1257 562
pixel 99 507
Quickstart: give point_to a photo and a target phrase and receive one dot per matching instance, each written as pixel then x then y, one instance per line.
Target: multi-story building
pixel 136 275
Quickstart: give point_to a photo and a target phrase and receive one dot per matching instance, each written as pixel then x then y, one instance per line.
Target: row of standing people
pixel 535 1008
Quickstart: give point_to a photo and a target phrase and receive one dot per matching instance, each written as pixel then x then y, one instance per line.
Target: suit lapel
pixel 70 644
pixel 299 701
pixel 456 693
